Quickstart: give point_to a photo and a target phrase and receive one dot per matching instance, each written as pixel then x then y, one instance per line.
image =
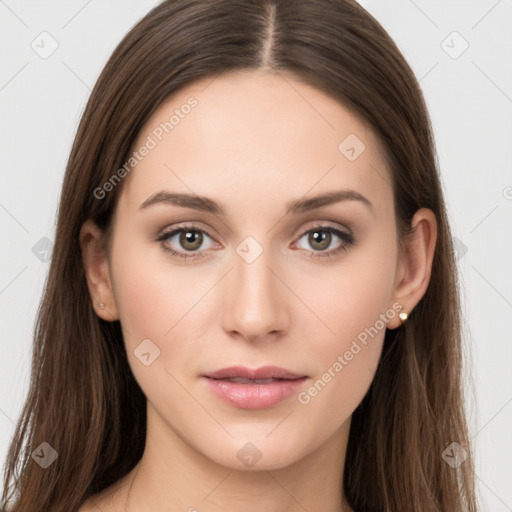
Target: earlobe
pixel 97 272
pixel 416 260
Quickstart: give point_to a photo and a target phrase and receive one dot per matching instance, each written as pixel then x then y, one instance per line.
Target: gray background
pixel 469 94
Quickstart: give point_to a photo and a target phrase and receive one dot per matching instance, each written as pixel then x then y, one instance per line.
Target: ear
pixel 97 272
pixel 415 263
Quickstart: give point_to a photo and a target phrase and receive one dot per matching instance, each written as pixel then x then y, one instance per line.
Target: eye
pixel 189 241
pixel 322 239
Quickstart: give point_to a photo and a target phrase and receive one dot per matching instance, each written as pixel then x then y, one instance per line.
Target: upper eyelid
pixel 322 225
pixel 168 231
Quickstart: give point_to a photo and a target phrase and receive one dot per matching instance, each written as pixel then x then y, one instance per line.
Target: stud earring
pixel 101 305
pixel 403 317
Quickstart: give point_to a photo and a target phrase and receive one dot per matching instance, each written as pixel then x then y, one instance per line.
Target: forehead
pixel 249 136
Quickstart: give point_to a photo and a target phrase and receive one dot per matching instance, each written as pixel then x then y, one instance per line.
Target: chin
pixel 259 452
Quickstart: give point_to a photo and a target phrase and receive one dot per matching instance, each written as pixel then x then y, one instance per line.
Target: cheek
pixel 154 303
pixel 345 365
pixel 152 294
pixel 354 303
pixel 157 300
pixel 350 297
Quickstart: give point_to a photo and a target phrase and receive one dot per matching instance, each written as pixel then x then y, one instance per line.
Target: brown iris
pixel 320 237
pixel 194 238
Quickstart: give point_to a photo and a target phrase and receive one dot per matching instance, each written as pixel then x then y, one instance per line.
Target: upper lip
pixel 265 372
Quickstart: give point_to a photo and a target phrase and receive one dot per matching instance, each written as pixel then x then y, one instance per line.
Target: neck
pixel 172 475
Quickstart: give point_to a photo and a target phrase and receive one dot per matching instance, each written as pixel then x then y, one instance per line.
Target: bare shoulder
pixel 110 499
pixel 107 500
pixel 95 503
pixel 104 501
pixel 88 506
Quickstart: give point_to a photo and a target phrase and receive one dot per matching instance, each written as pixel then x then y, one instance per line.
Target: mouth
pixel 263 373
pixel 254 389
pixel 242 380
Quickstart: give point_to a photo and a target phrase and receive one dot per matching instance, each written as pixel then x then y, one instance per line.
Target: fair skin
pixel 253 144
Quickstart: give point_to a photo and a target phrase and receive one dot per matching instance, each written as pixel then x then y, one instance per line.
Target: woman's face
pixel 306 288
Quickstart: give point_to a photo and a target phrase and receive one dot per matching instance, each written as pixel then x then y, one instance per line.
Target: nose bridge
pixel 253 307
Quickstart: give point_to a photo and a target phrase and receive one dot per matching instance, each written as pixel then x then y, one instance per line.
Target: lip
pixel 254 395
pixel 265 372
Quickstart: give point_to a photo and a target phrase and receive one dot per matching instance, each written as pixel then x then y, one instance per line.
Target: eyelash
pixel 347 238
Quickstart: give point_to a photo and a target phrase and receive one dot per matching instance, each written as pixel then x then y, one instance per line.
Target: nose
pixel 255 302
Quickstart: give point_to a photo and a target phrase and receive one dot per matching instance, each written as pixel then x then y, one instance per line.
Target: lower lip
pixel 254 396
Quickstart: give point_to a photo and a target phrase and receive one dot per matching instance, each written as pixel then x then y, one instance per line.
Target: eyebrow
pixel 302 205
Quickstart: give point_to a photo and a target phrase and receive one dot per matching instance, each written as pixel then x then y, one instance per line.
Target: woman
pixel 252 300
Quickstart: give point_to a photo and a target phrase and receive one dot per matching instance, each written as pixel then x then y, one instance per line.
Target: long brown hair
pixel 83 398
